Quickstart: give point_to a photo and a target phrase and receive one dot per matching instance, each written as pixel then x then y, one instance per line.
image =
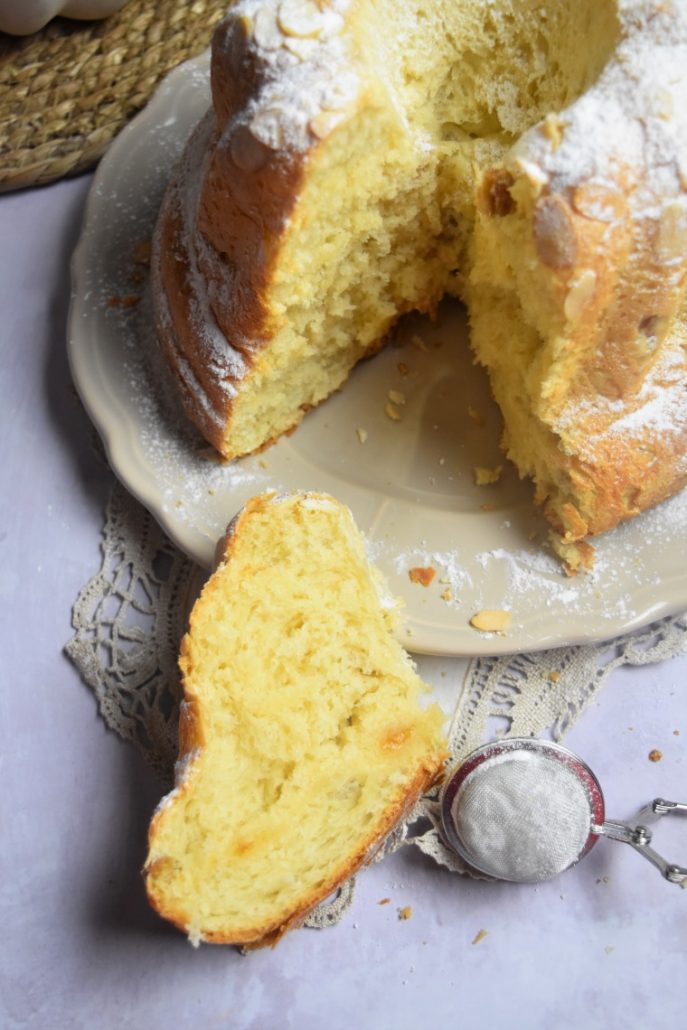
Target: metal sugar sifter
pixel 526 810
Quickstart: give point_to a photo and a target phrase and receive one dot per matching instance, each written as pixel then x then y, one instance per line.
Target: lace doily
pixel 129 619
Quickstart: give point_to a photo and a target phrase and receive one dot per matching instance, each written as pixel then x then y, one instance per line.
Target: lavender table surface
pixel 603 946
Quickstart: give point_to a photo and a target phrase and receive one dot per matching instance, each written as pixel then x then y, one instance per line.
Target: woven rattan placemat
pixel 67 90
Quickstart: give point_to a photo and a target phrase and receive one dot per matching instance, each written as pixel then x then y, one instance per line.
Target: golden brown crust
pixel 619 295
pixel 270 935
pixel 225 232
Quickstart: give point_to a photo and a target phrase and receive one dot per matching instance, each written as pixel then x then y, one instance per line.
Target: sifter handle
pixel 639 837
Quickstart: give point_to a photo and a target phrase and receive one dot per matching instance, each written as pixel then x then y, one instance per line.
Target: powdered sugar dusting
pixel 305 68
pixel 528 581
pixel 660 406
pixel 633 118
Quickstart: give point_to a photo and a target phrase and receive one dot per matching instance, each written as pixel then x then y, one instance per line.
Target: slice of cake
pixel 303 739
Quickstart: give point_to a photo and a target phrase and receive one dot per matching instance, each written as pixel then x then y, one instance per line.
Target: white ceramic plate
pixel 410 484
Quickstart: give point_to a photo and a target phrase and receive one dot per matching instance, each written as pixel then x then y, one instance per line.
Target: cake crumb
pixel 491 620
pixel 127 301
pixel 476 416
pixel 655 755
pixel 609 949
pixel 479 936
pixel 418 342
pixel 263 464
pixel 487 507
pixel 362 435
pixel 142 252
pixel 405 913
pixel 396 397
pixel 553 676
pixel 384 901
pixel 446 594
pixel 485 477
pixel 553 128
pixel 391 412
pixel 422 575
pixel 403 368
pixel 212 491
pixel 676 733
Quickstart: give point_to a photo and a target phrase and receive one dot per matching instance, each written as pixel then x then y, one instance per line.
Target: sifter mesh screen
pixel 522 815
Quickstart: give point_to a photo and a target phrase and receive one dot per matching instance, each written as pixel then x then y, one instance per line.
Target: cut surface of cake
pixel 363 159
pixel 304 736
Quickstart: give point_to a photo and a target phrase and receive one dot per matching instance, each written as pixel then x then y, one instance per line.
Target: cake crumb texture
pixel 303 739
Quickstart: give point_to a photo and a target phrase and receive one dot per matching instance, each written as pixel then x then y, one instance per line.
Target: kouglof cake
pixel 363 158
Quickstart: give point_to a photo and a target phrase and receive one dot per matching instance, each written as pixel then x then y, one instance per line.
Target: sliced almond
pixel 580 295
pixel 671 242
pixel 554 232
pixel 300 18
pixel 491 620
pixel 265 29
pixel 598 201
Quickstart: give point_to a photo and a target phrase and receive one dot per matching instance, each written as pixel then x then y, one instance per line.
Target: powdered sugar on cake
pixel 659 408
pixel 634 118
pixel 304 65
